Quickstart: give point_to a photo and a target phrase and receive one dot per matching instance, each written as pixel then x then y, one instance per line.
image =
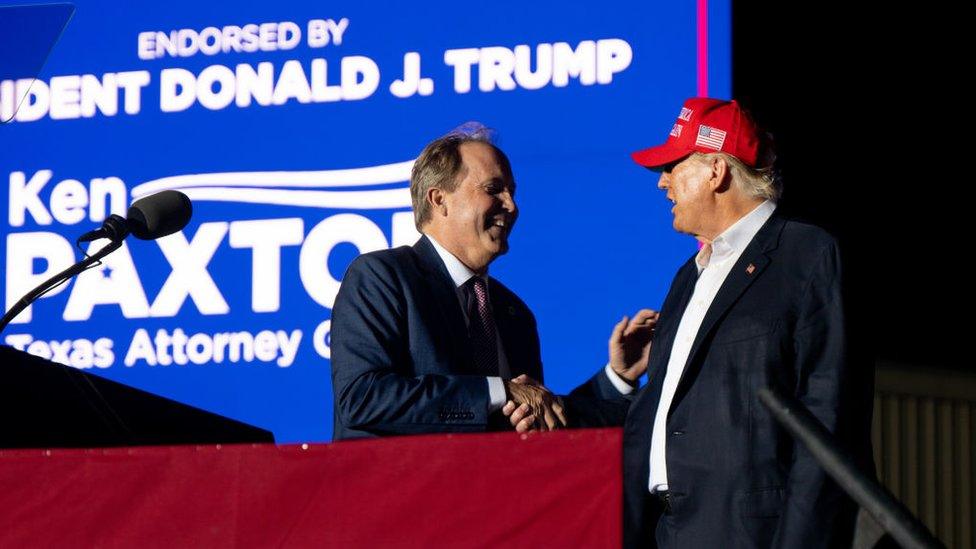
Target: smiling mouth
pixel 501 226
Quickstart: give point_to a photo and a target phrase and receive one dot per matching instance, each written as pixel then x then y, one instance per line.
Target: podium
pixel 558 489
pixel 49 405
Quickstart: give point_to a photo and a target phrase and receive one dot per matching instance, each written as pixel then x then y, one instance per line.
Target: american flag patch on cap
pixel 710 137
pixel 676 130
pixel 685 114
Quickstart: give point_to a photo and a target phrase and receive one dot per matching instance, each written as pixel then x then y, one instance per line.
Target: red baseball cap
pixel 708 126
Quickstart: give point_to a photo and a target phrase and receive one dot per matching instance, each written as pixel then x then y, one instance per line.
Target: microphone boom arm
pixel 46 286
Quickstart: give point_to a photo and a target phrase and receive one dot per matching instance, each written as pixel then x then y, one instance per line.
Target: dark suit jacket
pixel 737 480
pixel 401 359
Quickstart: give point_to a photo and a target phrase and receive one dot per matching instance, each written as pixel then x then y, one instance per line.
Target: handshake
pixel 533 407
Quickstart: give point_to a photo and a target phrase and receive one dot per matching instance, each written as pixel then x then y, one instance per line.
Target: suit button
pixel 678 433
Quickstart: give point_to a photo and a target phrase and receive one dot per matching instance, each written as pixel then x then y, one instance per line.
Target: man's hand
pixel 532 407
pixel 630 344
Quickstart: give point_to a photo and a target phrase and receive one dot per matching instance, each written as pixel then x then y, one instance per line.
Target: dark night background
pixel 868 126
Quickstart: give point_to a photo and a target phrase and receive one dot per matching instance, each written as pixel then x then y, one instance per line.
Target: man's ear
pixel 437 199
pixel 720 177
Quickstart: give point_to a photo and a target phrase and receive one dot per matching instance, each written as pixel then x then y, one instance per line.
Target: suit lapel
pixel 753 261
pixel 674 306
pixel 671 316
pixel 445 295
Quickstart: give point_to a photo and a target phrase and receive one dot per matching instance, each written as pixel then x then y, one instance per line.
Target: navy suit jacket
pixel 737 480
pixel 401 358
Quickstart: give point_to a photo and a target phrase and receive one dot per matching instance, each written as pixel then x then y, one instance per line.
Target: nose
pixel 508 203
pixel 665 181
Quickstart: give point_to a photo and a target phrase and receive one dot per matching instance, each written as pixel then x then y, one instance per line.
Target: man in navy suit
pixel 423 340
pixel 705 464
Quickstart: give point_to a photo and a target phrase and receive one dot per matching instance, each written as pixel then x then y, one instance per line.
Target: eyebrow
pixel 498 180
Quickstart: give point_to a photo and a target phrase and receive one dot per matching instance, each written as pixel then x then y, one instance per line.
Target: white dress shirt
pixel 460 274
pixel 713 268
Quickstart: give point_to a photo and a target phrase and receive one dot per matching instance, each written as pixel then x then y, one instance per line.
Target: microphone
pixel 149 218
pixel 159 215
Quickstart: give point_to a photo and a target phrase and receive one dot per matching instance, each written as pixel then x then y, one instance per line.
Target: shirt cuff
pixel 618 382
pixel 496 394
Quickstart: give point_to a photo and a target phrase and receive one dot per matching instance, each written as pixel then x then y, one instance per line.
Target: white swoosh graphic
pixel 264 187
pixel 380 199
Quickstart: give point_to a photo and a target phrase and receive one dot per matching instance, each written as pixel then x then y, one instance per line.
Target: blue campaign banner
pixel 292 126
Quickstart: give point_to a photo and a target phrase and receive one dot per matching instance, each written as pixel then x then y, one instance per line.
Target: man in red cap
pixel 705 464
